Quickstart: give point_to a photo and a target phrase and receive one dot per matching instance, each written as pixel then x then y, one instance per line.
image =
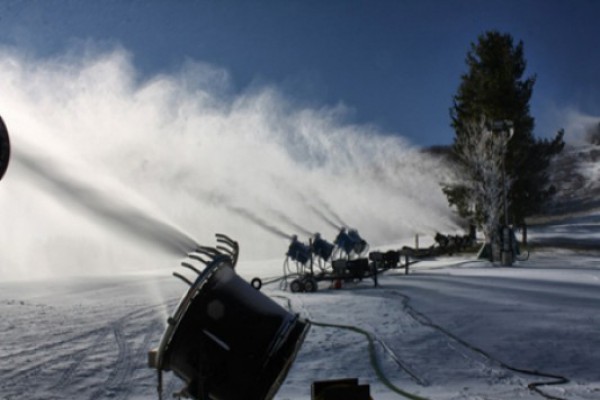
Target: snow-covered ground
pixel 452 329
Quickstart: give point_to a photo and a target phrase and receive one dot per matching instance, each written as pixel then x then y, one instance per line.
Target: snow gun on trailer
pixel 226 340
pixel 341 261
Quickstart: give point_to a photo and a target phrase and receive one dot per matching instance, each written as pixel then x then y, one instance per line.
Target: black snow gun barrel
pixel 226 340
pixel 4 148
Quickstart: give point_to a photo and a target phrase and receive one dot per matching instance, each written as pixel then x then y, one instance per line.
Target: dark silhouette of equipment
pixel 4 148
pixel 444 245
pixel 340 389
pixel 226 340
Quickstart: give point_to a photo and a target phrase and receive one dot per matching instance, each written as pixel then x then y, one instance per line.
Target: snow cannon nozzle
pixel 228 246
pixel 202 344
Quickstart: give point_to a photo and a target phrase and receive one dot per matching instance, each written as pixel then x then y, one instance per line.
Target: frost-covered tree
pixel 494 88
pixel 481 153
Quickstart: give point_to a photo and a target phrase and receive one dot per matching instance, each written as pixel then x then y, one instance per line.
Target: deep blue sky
pixel 396 64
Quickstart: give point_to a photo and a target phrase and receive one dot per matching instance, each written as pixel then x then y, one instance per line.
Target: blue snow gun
pixel 321 247
pixel 298 251
pixel 350 242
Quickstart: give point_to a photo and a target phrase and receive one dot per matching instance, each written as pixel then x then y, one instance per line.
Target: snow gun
pixel 321 248
pixel 350 242
pixel 321 261
pixel 226 340
pixel 298 251
pixel 4 148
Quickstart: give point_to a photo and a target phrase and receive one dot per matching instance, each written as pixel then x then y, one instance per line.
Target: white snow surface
pixel 455 324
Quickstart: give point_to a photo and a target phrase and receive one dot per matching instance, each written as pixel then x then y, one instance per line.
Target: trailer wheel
pixel 311 285
pixel 256 283
pixel 297 286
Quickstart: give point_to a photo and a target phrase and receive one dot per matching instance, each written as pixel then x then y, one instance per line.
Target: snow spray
pixel 324 217
pixel 259 221
pixel 110 209
pixel 286 219
pixel 332 213
pixel 309 204
pixel 179 144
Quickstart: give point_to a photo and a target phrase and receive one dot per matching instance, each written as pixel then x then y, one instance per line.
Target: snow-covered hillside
pixel 575 173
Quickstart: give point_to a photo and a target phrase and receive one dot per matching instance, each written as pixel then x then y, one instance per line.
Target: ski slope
pixel 451 329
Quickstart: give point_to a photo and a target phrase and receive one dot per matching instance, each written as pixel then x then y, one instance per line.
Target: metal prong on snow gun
pixel 183 278
pixel 226 247
pixel 190 266
pixel 209 255
pixel 232 247
pixel 209 252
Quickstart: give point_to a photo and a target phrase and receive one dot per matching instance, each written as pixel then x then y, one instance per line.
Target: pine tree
pixel 494 89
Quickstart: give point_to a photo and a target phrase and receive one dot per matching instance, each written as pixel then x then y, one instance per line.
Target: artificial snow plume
pixel 194 156
pixel 580 126
pixel 106 205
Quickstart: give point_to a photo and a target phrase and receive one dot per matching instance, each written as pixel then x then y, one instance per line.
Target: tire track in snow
pixel 63 364
pixel 117 384
pixel 78 358
pixel 21 374
pixel 32 351
pixel 121 368
pixel 123 386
